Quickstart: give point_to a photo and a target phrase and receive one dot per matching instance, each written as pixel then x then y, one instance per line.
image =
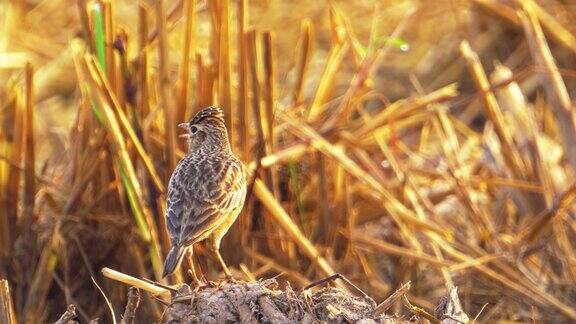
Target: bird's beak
pixel 186 127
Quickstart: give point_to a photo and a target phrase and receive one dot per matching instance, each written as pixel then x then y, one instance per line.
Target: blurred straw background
pixel 392 141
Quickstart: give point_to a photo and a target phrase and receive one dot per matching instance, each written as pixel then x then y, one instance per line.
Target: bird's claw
pixel 230 279
pixel 199 286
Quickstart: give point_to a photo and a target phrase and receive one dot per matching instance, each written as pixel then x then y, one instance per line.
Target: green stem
pixel 99 37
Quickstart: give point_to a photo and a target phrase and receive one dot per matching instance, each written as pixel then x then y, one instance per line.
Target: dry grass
pixel 451 164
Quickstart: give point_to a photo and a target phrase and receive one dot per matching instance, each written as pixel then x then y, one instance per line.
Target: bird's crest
pixel 211 111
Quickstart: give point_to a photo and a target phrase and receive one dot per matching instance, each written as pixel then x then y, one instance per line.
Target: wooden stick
pixel 131 306
pixel 83 11
pixel 68 315
pixel 29 152
pixel 143 61
pixel 555 86
pixel 165 84
pixel 109 29
pixel 7 314
pixel 135 282
pixel 188 40
pixel 224 68
pixel 420 312
pixel 269 107
pixel 327 80
pixel 388 302
pixel 306 48
pixel 343 278
pixel 509 149
pixel 242 113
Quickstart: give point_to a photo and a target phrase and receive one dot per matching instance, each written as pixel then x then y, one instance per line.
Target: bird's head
pixel 206 130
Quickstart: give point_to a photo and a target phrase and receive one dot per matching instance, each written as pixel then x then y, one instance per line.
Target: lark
pixel 206 191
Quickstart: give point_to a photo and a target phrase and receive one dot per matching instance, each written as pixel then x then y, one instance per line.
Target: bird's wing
pixel 175 202
pixel 217 192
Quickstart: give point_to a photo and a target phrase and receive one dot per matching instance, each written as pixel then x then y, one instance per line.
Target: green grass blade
pixel 99 36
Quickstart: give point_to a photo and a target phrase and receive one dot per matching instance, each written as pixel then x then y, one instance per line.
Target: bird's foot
pixel 213 284
pixel 196 283
pixel 230 279
pixel 198 287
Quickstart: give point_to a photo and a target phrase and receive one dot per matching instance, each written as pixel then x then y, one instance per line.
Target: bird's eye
pixel 193 129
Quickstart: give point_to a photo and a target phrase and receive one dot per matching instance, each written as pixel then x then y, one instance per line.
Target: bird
pixel 206 191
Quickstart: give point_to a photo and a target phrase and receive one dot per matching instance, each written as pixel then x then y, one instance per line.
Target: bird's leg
pixel 216 250
pixel 223 265
pixel 192 270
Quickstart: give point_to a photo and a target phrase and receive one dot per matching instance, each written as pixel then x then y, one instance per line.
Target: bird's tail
pixel 173 259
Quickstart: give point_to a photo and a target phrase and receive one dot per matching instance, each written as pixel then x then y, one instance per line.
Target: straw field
pixel 409 146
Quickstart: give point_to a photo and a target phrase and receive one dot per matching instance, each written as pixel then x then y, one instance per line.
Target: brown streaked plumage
pixel 206 191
